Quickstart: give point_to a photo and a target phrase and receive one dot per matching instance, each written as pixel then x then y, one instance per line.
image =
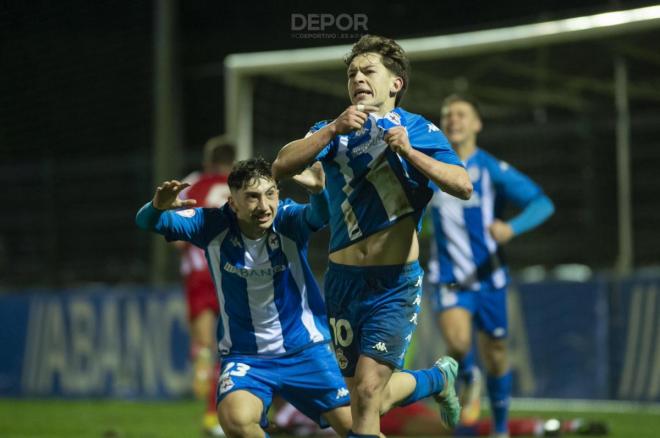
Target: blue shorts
pixel 309 379
pixel 487 307
pixel 372 311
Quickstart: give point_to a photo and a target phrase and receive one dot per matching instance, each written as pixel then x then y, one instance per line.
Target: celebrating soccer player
pixel 272 331
pixel 378 160
pixel 471 288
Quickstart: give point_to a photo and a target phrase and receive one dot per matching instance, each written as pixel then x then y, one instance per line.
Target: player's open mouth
pixel 263 218
pixel 362 93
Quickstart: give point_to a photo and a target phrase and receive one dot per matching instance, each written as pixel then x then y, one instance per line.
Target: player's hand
pixel 312 178
pixel 353 118
pixel 167 196
pixel 397 140
pixel 501 231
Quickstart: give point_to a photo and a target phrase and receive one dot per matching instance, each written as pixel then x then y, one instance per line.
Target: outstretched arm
pixel 165 198
pixel 449 177
pixel 293 157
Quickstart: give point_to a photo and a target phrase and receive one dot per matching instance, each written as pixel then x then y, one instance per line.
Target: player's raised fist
pixel 167 196
pixel 353 118
pixel 397 140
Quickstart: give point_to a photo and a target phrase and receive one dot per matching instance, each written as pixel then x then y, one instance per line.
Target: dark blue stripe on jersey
pixel 237 305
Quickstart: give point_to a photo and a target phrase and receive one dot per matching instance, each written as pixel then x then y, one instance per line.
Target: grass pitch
pixel 124 419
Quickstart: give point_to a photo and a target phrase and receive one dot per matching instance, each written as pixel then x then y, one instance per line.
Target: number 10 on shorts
pixel 342 331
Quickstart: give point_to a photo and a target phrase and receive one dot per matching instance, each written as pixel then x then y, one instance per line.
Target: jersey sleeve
pixel 428 139
pixel 516 187
pixel 300 220
pixel 195 225
pixel 325 152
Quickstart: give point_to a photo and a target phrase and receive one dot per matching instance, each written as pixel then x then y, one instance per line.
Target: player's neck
pixel 252 233
pixel 386 108
pixel 466 149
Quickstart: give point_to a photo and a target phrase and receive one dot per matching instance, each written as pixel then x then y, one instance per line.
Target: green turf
pixel 119 419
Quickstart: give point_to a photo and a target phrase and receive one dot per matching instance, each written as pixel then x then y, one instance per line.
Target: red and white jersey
pixel 209 190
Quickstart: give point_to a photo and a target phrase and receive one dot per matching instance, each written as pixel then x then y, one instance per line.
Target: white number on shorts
pixel 342 331
pixel 240 371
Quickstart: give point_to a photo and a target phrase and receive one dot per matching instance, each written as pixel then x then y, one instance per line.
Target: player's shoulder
pixel 415 121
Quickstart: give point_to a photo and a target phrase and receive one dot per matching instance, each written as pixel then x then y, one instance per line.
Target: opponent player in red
pixel 209 188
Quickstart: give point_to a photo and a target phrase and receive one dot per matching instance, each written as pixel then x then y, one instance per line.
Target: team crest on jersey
pixel 186 213
pixel 225 383
pixel 341 359
pixel 393 117
pixel 273 242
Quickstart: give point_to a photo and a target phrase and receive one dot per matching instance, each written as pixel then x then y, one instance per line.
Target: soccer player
pixel 272 331
pixel 209 188
pixel 378 160
pixel 472 274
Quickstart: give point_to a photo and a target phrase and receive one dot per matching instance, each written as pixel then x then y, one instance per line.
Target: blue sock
pixel 429 382
pixel 465 367
pixel 352 434
pixel 499 393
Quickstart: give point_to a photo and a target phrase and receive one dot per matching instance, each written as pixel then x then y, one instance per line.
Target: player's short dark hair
pixel 246 172
pixel 394 58
pixel 470 100
pixel 219 150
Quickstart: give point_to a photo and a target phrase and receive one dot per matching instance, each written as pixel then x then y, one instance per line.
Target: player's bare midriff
pixel 394 245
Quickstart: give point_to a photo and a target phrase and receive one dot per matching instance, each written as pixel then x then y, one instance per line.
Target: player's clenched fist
pixel 353 118
pixel 397 139
pixel 167 196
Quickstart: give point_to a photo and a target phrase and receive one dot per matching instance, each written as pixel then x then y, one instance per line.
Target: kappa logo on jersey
pixel 235 241
pixel 186 213
pixel 341 393
pixel 433 128
pixel 273 242
pixel 380 346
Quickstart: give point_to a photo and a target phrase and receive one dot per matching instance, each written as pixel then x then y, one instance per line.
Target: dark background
pixel 77 125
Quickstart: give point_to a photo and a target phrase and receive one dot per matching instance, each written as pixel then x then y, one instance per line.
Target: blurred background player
pixel 471 287
pixel 273 331
pixel 379 160
pixel 209 188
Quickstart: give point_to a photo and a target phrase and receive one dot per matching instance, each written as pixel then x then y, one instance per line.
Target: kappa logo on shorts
pixel 419 282
pixel 409 337
pixel 418 300
pixel 380 346
pixel 414 319
pixel 341 393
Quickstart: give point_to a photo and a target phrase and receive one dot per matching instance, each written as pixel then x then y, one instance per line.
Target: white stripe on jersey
pixel 261 298
pixel 213 250
pixel 387 185
pixel 290 250
pixel 350 219
pixel 453 224
pixel 487 217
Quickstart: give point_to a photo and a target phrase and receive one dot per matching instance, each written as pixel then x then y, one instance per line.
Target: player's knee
pixel 459 346
pixel 368 393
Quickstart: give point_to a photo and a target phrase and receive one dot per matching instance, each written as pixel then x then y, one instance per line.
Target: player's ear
pixel 232 203
pixel 477 125
pixel 396 85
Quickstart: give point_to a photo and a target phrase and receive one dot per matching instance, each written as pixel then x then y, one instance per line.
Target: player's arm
pixel 451 178
pixel 157 216
pixel 293 157
pixel 536 206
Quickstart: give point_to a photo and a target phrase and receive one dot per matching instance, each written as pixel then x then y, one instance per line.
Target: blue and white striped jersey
pixel 464 252
pixel 371 187
pixel 270 303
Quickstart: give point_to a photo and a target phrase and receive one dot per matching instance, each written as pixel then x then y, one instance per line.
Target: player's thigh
pixel 312 382
pixel 240 409
pixel 455 324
